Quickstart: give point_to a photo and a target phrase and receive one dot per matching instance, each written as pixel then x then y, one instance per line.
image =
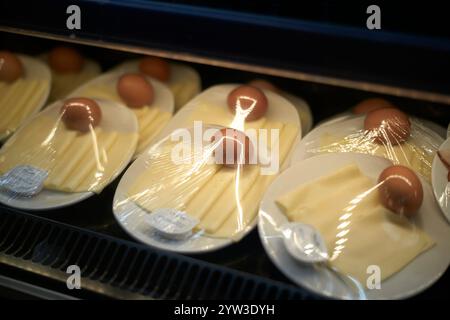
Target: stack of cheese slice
pixel 409 153
pixel 357 230
pixel 18 100
pixel 224 199
pixel 76 162
pixel 151 120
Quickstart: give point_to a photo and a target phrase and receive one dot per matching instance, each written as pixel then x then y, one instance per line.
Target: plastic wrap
pixel 184 81
pixel 414 146
pixel 75 162
pixel 151 118
pixel 23 97
pixel 383 234
pixel 187 171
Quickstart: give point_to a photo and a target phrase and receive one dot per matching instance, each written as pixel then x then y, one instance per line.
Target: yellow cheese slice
pixel 358 231
pixel 408 154
pixel 76 162
pixel 238 220
pixel 167 184
pixel 18 100
pixel 379 238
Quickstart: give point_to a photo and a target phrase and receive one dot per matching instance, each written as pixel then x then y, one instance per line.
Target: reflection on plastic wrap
pixel 358 228
pixel 77 143
pixel 403 141
pixel 191 178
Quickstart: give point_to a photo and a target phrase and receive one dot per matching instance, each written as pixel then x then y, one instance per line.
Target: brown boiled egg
pixel 81 114
pixel 263 85
pixel 135 90
pixel 155 67
pixel 248 101
pixel 389 125
pixel 11 67
pixel 233 147
pixel 65 60
pixel 400 190
pixel 371 104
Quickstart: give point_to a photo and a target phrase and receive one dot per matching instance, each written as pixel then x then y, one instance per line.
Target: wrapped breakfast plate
pixel 24 88
pixel 198 189
pixel 70 69
pixel 149 99
pixel 355 226
pixel 386 132
pixel 183 80
pixel 372 104
pixel 66 153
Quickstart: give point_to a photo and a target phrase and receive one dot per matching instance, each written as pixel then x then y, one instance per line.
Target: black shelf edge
pixel 349 52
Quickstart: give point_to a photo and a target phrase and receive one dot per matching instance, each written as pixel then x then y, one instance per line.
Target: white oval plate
pixel 348 125
pixel 418 275
pixel 35 70
pixel 441 186
pixel 131 217
pixel 114 116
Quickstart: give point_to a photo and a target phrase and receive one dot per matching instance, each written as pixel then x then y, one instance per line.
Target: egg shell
pixel 263 85
pixel 81 114
pixel 135 90
pixel 155 67
pixel 65 60
pixel 11 68
pixel 245 97
pixel 389 126
pixel 400 190
pixel 371 104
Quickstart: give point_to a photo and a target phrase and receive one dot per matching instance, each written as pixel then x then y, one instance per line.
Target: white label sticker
pixel 24 181
pixel 172 223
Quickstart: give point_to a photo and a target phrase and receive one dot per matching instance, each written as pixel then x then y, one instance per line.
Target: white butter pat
pixel 172 223
pixel 24 181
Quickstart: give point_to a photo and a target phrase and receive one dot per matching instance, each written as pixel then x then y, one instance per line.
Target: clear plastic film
pixel 405 142
pixel 212 166
pixel 346 224
pixel 23 97
pixel 66 156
